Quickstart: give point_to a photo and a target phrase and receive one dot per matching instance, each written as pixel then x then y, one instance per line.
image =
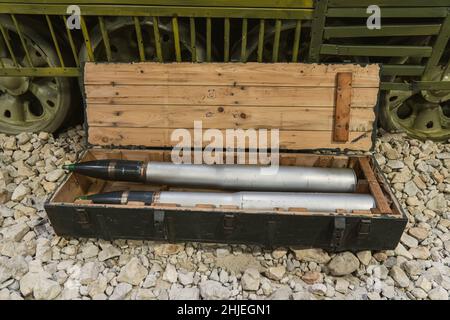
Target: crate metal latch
pixel 82 217
pixel 159 224
pixel 364 229
pixel 229 223
pixel 338 232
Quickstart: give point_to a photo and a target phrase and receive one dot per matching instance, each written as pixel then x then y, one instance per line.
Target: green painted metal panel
pixel 168 11
pixel 438 47
pixel 244 41
pixel 208 39
pixel 389 3
pixel 385 31
pixel 105 38
pixel 8 45
pixel 376 51
pixel 87 39
pixel 176 39
pixel 55 41
pixel 140 40
pixel 71 42
pixel 318 25
pixel 402 70
pixel 416 86
pixel 226 40
pixel 261 40
pixel 296 44
pixel 193 41
pixel 40 72
pixel 22 40
pixel 426 12
pixel 157 39
pixel 276 41
pixel 208 3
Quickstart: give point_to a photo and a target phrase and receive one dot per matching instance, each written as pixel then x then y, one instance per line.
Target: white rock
pixel 121 291
pixel 15 232
pixel 341 285
pixel 438 203
pixel 89 272
pixel 318 289
pixel 23 138
pixel 108 252
pixel 151 279
pixel 399 276
pixel 400 250
pixel 46 289
pixel 388 291
pixel 409 241
pixel 170 274
pixel 98 286
pixel 89 251
pixel 251 279
pixel 275 273
pixel 145 294
pixel 43 250
pixel 186 278
pixel 283 293
pixel 20 192
pixel 419 293
pixel 364 257
pixel 176 293
pixel 54 175
pixel 311 255
pixel 410 189
pixel 167 249
pixel 343 264
pixel 213 290
pixel 133 272
pixel 438 293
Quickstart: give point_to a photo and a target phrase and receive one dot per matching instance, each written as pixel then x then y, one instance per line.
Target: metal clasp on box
pixel 82 217
pixel 159 224
pixel 338 232
pixel 364 229
pixel 229 222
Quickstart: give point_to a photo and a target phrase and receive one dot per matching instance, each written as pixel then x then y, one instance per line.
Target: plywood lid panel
pixel 141 104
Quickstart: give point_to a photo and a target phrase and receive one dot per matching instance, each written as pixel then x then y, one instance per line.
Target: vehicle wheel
pixel 422 115
pixel 31 103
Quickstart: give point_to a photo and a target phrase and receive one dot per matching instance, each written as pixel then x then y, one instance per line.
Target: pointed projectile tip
pixel 70 167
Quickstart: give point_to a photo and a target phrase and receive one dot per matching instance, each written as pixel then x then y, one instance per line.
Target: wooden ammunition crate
pixel 132 110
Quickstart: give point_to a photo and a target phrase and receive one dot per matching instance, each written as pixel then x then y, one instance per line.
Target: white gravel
pixel 36 264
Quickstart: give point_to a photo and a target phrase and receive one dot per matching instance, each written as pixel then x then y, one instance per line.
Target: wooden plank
pixel 343 102
pixel 374 187
pixel 304 118
pixel 225 95
pixel 161 137
pixel 248 74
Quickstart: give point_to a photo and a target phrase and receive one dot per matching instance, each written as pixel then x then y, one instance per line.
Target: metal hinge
pixel 229 221
pixel 364 229
pixel 158 224
pixel 338 232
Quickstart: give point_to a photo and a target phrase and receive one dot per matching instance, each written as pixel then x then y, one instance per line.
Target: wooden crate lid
pixel 141 104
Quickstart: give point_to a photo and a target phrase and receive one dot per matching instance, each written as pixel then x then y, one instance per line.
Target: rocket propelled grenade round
pixel 317 202
pixel 228 177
